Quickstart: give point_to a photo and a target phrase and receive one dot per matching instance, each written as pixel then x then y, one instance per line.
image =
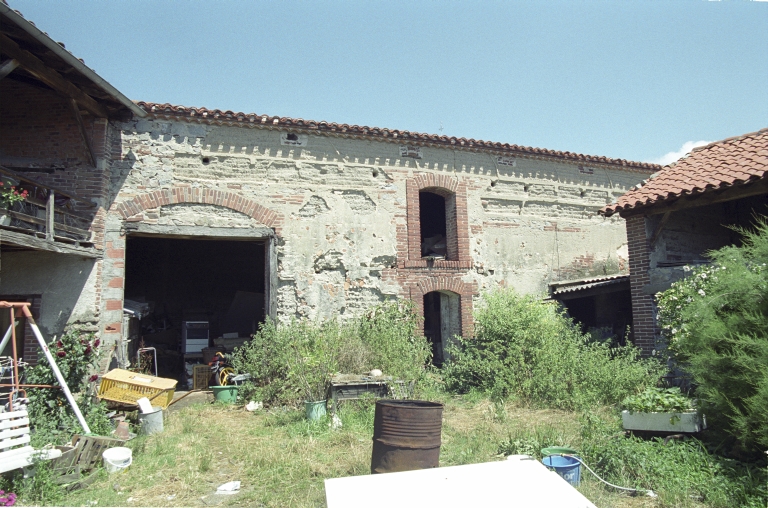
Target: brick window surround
pixel 420 286
pixel 456 218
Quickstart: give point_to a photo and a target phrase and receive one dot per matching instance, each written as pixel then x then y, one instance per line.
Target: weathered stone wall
pixel 340 211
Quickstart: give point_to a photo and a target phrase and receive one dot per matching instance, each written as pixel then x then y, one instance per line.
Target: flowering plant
pixel 77 355
pixel 673 302
pixel 7 498
pixel 10 195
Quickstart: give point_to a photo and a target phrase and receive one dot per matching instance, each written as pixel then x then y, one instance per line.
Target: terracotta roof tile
pixel 733 161
pixel 321 127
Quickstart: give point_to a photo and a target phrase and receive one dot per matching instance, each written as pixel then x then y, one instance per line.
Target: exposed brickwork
pixel 417 283
pixel 457 222
pixel 182 194
pixel 643 315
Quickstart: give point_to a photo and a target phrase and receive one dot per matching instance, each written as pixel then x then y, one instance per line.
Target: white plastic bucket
pixel 116 459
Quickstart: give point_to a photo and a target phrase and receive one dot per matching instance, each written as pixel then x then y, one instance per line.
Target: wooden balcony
pixel 48 219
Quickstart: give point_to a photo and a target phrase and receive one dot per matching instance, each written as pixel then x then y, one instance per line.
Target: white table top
pixel 520 481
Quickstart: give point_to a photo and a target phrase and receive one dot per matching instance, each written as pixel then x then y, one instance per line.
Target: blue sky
pixel 632 80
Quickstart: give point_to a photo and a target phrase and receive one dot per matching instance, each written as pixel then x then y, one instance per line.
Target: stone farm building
pixel 205 215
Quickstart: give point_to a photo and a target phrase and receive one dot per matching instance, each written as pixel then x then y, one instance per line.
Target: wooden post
pixel 49 216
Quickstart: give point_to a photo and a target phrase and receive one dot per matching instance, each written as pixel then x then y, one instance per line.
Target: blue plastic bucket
pixel 567 467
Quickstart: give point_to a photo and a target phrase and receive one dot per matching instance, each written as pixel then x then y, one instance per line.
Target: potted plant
pixel 661 410
pixel 9 195
pixel 314 363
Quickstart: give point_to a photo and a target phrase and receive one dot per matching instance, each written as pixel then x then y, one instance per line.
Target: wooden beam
pixel 43 222
pixel 709 197
pixel 32 242
pixel 50 218
pixel 659 227
pixel 50 77
pixel 83 134
pixel 7 67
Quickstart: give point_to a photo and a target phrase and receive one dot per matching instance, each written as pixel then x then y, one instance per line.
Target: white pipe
pixel 7 337
pixel 58 375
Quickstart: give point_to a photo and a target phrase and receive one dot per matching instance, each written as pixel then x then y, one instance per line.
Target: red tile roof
pixel 392 135
pixel 731 162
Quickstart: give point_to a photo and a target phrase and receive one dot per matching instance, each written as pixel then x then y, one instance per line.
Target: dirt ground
pixel 182 399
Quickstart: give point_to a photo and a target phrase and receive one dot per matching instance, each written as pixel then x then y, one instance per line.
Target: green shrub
pixel 388 333
pixel 77 355
pixel 526 349
pixel 680 472
pixel 715 322
pixel 290 361
pixel 658 400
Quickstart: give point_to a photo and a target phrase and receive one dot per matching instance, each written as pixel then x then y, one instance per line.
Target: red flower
pixel 88 350
pixel 61 354
pixel 93 378
pixel 96 343
pixel 59 344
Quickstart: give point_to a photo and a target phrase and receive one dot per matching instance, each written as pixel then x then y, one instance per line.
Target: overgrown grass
pixel 282 459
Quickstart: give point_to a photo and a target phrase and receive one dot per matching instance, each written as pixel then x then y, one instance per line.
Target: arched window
pixel 437 224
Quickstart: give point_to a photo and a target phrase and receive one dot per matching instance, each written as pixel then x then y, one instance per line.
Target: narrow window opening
pixel 433 225
pixel 442 323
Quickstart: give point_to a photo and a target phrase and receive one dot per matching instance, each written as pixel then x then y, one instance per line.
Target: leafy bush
pixel 658 400
pixel 715 322
pixel 388 334
pixel 525 348
pixel 77 355
pixel 288 361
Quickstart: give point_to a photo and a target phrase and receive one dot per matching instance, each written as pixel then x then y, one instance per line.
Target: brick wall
pixel 643 311
pixel 38 129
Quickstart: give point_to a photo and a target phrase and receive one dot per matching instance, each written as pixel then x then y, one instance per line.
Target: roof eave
pixel 71 60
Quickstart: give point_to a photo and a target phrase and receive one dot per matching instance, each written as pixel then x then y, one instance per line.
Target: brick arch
pixel 438 182
pixel 178 195
pixel 446 283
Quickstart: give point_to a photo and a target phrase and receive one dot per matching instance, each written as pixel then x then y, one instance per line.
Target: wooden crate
pixel 124 386
pixel 201 377
pixel 88 450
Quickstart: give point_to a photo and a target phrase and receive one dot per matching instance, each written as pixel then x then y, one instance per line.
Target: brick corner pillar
pixel 643 315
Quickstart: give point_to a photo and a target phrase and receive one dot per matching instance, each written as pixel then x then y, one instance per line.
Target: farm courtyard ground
pixel 282 459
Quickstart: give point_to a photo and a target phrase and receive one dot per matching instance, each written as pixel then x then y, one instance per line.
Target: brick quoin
pixel 643 316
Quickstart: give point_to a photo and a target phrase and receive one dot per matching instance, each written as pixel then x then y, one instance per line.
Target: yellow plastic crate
pixel 124 386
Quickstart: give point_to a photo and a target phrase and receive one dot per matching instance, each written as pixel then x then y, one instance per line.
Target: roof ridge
pixel 404 136
pixel 731 139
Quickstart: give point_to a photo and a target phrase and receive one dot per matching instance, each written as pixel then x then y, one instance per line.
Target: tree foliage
pixel 715 322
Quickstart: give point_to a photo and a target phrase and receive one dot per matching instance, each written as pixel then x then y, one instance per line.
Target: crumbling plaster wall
pixel 340 202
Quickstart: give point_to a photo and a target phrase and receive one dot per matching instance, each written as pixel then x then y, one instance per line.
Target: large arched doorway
pixel 442 322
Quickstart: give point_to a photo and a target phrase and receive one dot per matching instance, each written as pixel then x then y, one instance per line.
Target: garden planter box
pixel 688 421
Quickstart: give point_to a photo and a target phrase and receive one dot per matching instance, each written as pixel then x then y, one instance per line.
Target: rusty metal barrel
pixel 406 435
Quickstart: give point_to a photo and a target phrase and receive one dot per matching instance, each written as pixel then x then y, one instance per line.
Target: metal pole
pixel 6 336
pixel 15 357
pixel 56 370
